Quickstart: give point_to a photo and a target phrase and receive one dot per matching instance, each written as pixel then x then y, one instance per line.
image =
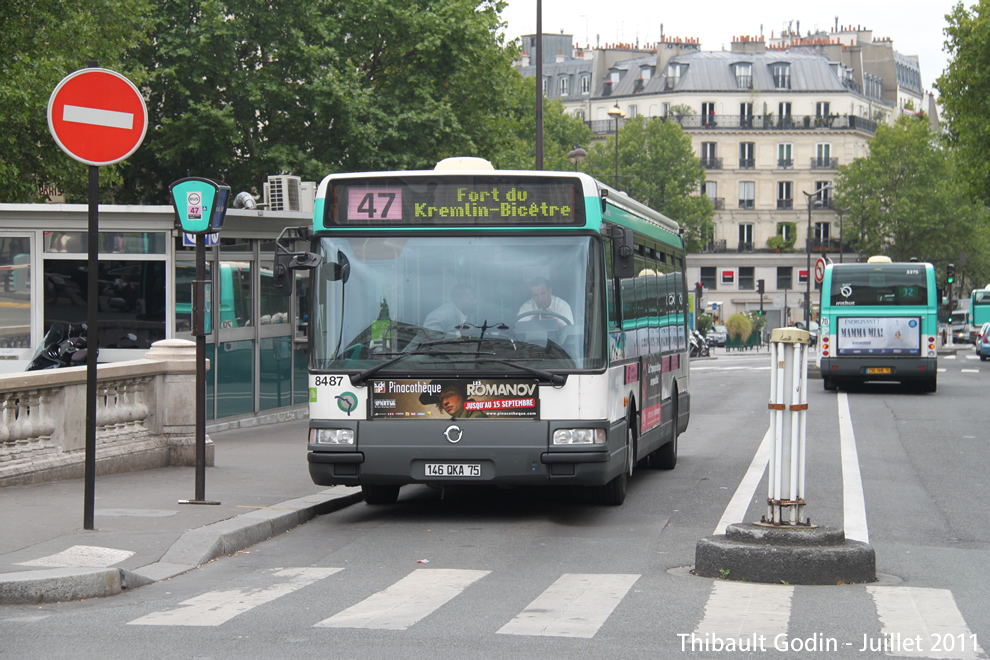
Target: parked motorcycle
pixel 698 345
pixel 64 345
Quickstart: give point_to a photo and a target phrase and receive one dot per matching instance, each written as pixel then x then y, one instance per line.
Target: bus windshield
pixel 867 285
pixel 458 304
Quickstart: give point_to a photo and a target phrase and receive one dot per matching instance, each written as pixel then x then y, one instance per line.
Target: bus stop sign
pixel 97 116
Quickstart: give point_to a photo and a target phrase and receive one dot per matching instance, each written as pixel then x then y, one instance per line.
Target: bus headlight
pixel 579 437
pixel 331 436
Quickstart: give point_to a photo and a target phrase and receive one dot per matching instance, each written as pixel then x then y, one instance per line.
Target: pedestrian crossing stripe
pixel 738 616
pixel 406 602
pixel 216 607
pixel 576 605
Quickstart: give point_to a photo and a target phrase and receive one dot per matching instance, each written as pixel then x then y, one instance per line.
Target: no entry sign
pixel 97 116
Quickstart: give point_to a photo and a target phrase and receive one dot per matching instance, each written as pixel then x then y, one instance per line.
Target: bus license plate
pixel 453 469
pixel 878 370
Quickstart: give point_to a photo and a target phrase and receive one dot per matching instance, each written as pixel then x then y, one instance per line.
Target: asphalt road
pixel 546 574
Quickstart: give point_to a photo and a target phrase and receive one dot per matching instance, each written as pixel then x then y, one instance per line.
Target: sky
pixel 914 26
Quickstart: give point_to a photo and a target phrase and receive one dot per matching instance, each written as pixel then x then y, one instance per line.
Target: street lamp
pixel 616 114
pixel 577 156
pixel 807 248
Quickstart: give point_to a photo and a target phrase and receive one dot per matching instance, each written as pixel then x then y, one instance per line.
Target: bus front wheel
pixel 614 492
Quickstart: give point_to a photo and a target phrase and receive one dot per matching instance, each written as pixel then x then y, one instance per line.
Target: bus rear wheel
pixel 665 458
pixel 380 494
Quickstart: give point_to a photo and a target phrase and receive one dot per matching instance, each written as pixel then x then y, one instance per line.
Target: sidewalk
pixel 142 533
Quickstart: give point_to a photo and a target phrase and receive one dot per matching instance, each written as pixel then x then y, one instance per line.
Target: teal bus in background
pixel 979 310
pixel 429 363
pixel 879 322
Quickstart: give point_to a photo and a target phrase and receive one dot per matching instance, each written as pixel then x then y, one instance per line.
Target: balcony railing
pixel 785 163
pixel 756 123
pixel 824 163
pixel 748 204
pixel 785 203
pixel 747 163
pixel 711 163
pixel 745 246
pixel 714 247
pixel 719 203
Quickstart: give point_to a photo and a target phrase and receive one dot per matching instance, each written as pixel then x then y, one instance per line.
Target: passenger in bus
pixel 543 300
pixel 451 400
pixel 449 315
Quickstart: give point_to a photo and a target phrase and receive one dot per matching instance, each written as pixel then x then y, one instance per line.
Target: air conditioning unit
pixel 282 193
pixel 307 196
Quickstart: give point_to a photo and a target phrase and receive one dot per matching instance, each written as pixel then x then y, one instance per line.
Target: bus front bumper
pixel 488 452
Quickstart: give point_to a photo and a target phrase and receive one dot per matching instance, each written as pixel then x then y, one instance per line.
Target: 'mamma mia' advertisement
pixel 897 335
pixel 455 399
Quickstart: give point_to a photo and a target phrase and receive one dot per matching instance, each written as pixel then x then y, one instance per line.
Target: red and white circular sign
pixel 820 269
pixel 97 116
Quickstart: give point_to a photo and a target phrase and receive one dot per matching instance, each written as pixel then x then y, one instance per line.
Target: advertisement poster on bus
pixel 455 399
pixel 651 395
pixel 896 335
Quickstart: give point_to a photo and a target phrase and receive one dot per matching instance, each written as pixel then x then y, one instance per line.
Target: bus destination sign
pixel 455 201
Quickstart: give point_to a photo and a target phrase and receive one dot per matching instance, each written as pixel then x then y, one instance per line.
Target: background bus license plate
pixel 878 370
pixel 453 469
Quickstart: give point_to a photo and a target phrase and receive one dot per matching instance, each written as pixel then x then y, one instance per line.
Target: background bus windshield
pixel 458 303
pixel 863 285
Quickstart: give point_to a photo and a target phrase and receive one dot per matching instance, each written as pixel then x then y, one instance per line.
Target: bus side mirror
pixel 285 263
pixel 622 252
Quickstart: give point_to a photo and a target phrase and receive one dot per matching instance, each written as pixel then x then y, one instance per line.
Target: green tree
pixel 658 167
pixel 43 41
pixel 964 89
pixel 242 89
pixel 907 199
pixel 561 131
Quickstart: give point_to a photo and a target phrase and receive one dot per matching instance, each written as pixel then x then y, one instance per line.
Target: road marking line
pixel 739 504
pixel 853 502
pixel 96 117
pixel 923 623
pixel 576 605
pixel 745 612
pixel 970 371
pixel 407 601
pixel 217 607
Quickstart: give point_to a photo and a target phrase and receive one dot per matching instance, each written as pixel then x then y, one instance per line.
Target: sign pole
pixel 201 379
pixel 92 346
pixel 92 340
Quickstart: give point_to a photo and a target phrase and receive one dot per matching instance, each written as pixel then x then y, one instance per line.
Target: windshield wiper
pixel 359 379
pixel 555 379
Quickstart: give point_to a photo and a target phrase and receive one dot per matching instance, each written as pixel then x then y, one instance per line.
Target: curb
pixel 193 549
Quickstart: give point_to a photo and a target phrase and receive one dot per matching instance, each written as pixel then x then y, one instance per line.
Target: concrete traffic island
pixel 754 552
pixel 784 547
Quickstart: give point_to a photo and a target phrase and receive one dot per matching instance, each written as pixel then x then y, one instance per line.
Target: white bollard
pixel 788 426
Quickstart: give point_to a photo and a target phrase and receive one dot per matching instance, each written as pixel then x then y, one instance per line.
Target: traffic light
pixel 699 289
pixel 759 287
pixel 950 273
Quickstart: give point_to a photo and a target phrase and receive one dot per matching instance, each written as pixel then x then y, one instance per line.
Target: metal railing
pixel 824 163
pixel 755 123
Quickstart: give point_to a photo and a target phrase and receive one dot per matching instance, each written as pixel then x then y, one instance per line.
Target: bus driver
pixel 542 299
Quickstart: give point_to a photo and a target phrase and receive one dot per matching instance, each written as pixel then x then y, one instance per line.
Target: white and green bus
pixel 475 326
pixel 879 322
